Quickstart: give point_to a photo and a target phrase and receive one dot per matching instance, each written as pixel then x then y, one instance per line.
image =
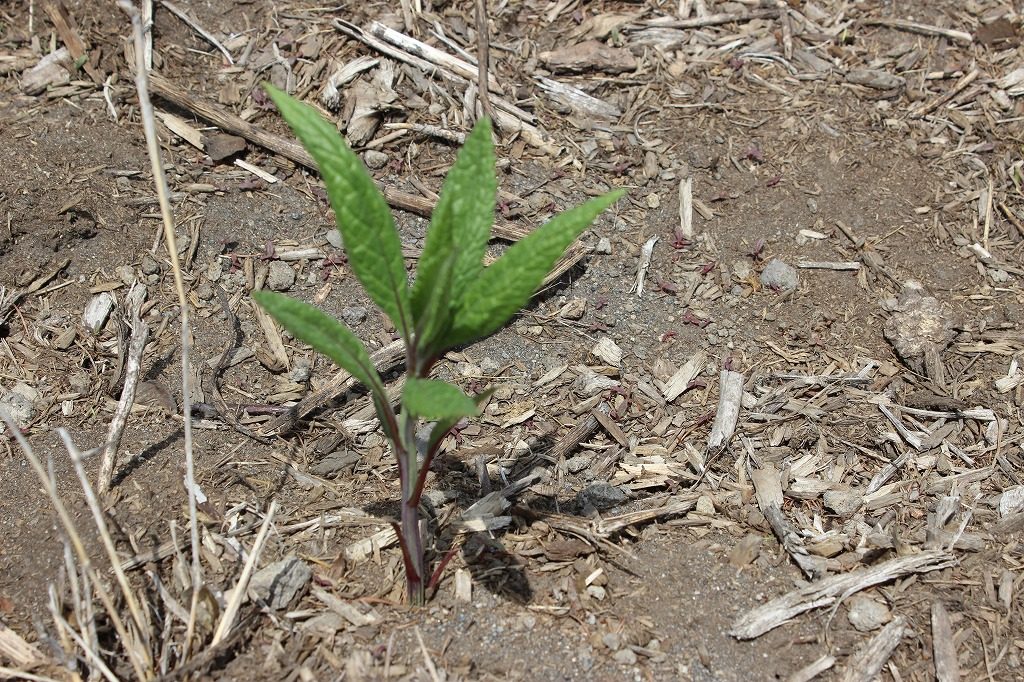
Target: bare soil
pixel 792 157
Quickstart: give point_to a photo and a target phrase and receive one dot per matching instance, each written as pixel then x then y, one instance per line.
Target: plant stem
pixel 414 584
pixel 415 564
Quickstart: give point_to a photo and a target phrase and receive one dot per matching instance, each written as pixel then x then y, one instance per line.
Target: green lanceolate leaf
pixel 461 221
pixel 435 400
pixel 325 334
pixel 443 426
pixel 435 319
pixel 506 286
pixel 364 219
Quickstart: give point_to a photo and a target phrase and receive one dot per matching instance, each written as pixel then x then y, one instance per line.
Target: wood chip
pixel 826 592
pixel 866 663
pixel 947 666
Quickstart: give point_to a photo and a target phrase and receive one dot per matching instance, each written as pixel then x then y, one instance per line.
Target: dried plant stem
pixel 108 542
pixel 141 667
pixel 89 651
pixel 153 148
pixel 483 57
pixel 228 618
pixel 13 674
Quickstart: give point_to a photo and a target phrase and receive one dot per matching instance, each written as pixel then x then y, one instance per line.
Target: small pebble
pixel 334 238
pixel 375 159
pixel 354 315
pixel 577 463
pixel 126 274
pixel 602 495
pixel 280 277
pixel 574 309
pixel 300 370
pixel 282 581
pixel 604 246
pixel 779 276
pixel 843 503
pixel 705 506
pixel 866 614
pixel 150 266
pixel 20 404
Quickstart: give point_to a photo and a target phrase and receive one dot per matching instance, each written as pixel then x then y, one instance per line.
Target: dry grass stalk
pixel 703 20
pixel 922 29
pixel 16 674
pixel 227 620
pixel 139 657
pixel 812 670
pixel 483 58
pixel 16 650
pixel 89 650
pixel 108 543
pixel 425 53
pixel 194 25
pixel 156 166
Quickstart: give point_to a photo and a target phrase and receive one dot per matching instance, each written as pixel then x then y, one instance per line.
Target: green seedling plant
pixel 452 301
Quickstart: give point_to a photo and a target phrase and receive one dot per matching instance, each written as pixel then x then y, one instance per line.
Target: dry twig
pixel 156 166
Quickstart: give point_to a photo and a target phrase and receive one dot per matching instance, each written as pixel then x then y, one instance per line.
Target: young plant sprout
pixel 453 300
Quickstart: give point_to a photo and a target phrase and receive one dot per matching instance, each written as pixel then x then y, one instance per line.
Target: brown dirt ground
pixel 771 153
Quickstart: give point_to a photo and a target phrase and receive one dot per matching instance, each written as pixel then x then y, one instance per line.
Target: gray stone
pixel 215 270
pixel 439 498
pixel 585 659
pixel 375 159
pixel 20 403
pixel 578 463
pixel 149 265
pixel 842 502
pixel 919 329
pixel 489 366
pixel 280 277
pixel 221 146
pixel 281 582
pixel 779 276
pixel 612 640
pixel 354 315
pixel 126 274
pixel 335 462
pixel 625 657
pixel 334 238
pixel 602 495
pixel 300 371
pixel 866 614
pixel 604 246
